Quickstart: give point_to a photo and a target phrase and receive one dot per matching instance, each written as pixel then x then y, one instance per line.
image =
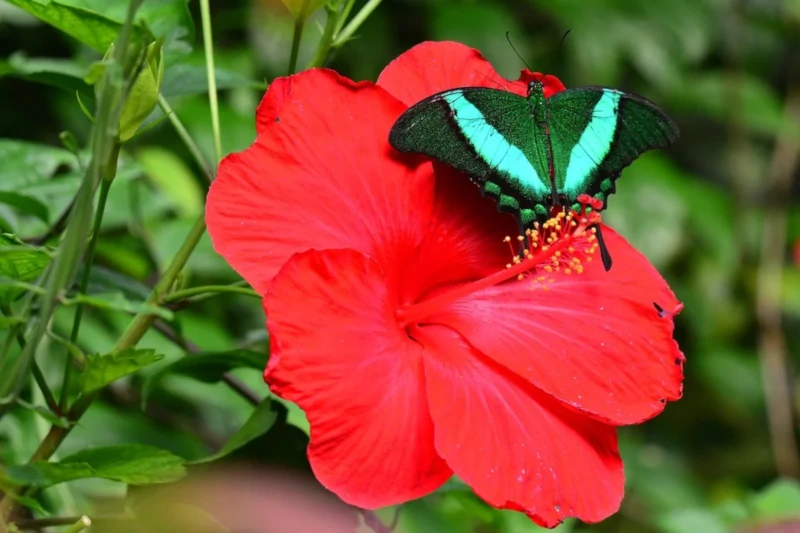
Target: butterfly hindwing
pixel 486 133
pixel 596 132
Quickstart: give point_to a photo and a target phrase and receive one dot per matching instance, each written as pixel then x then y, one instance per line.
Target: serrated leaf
pixel 259 422
pixel 19 264
pixel 88 27
pixel 136 464
pixel 207 367
pixel 43 474
pixel 116 301
pixel 26 164
pixel 100 370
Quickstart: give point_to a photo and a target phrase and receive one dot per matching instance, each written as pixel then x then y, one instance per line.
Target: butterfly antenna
pixel 508 38
pixel 563 38
pixel 502 86
pixel 604 255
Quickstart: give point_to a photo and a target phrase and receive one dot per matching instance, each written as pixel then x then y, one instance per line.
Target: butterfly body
pixel 534 153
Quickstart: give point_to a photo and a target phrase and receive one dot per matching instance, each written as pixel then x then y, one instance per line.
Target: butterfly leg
pixel 604 255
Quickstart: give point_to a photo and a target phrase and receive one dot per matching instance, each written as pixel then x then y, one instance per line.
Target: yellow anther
pixel 507 239
pixel 520 277
pixel 567 271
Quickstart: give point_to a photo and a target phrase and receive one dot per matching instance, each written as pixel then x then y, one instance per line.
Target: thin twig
pixel 772 342
pixel 229 379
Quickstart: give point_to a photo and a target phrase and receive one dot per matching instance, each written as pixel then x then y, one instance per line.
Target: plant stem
pixel 354 24
pixel 61 271
pixel 82 523
pixel 342 18
pixel 297 36
pixel 183 133
pixel 208 42
pixel 324 47
pixel 183 294
pixel 105 187
pixel 38 376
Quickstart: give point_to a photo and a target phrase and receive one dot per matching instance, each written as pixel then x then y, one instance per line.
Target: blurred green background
pixel 718 214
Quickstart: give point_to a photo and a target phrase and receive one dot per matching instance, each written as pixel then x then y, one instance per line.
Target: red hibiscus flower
pixel 400 322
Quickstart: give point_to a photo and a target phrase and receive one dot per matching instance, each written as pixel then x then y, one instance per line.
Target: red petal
pixel 514 445
pixel 594 340
pixel 322 176
pixel 338 353
pixel 272 103
pixel 432 67
pixel 464 241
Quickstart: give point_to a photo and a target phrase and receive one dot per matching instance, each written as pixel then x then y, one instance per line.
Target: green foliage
pixel 136 464
pixel 260 421
pixel 100 370
pixel 18 263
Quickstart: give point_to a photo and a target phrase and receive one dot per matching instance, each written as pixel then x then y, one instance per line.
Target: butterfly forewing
pixel 486 133
pixel 596 132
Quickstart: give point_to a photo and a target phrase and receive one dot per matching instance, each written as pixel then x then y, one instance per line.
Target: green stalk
pixel 208 42
pixel 183 133
pixel 79 526
pixel 342 18
pixel 297 36
pixel 38 375
pixel 354 24
pixel 325 42
pixel 105 186
pixel 183 294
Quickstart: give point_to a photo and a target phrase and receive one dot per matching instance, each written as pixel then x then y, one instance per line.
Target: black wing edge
pixel 406 123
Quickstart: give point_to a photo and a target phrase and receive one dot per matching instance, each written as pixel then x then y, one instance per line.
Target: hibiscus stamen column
pixel 561 244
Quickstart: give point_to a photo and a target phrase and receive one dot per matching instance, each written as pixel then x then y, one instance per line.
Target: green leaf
pixel 781 499
pixel 183 79
pixel 62 73
pixel 174 178
pixel 19 264
pixel 207 367
pixel 43 474
pixel 101 370
pixel 136 464
pixel 27 164
pixel 259 422
pixel 116 301
pixel 87 26
pixel 26 205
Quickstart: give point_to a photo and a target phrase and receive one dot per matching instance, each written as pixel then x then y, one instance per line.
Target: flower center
pixel 562 244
